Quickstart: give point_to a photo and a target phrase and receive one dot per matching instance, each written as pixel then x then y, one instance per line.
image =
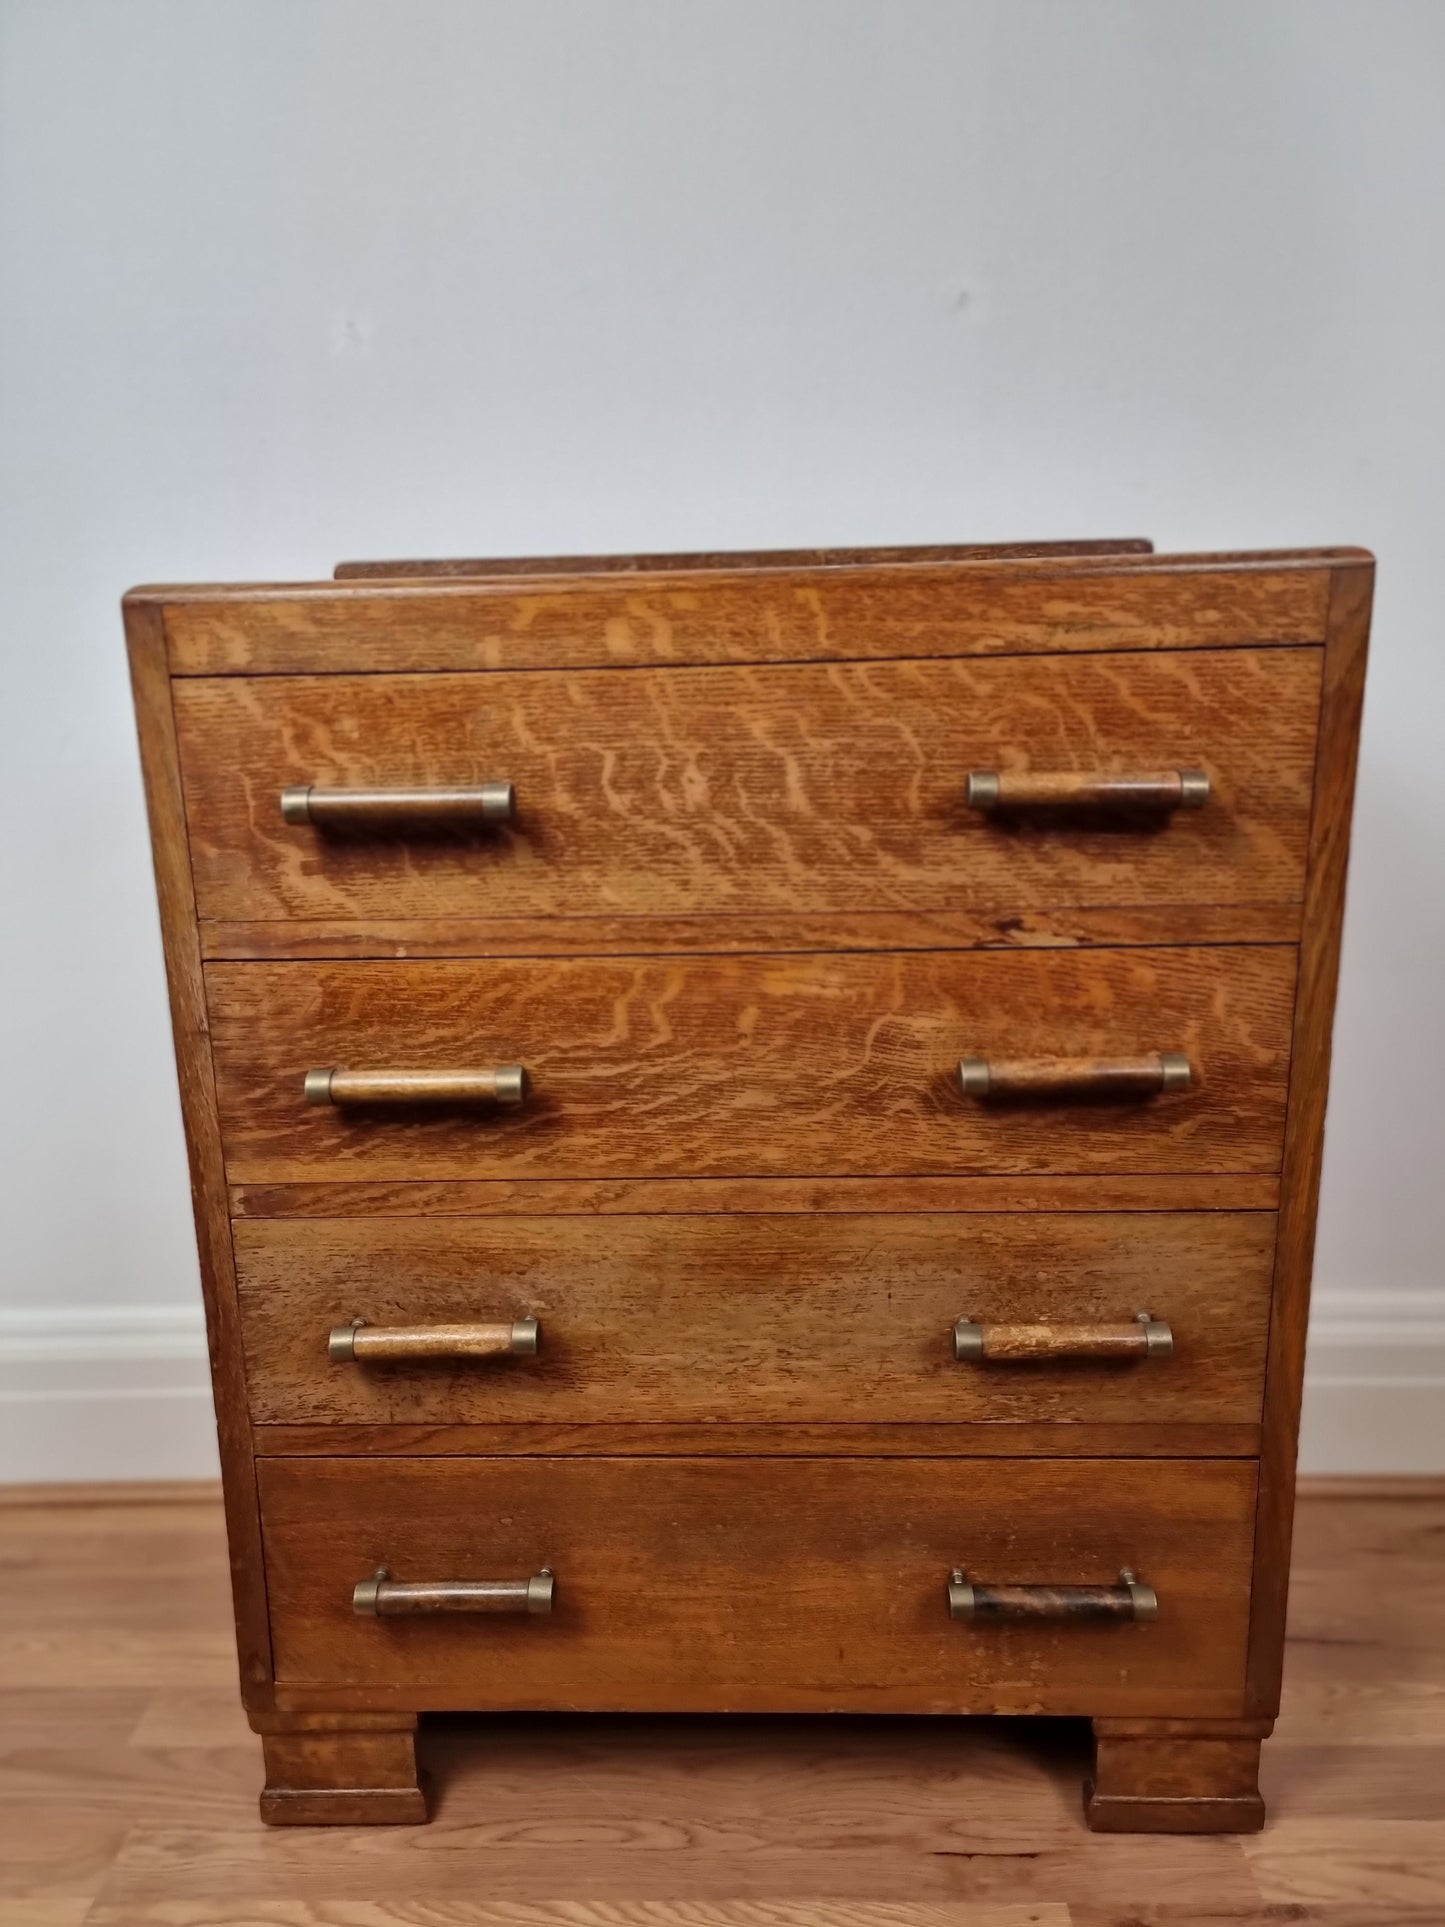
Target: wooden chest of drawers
pixel 755 1127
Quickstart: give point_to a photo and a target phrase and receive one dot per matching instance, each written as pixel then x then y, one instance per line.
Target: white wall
pixel 287 280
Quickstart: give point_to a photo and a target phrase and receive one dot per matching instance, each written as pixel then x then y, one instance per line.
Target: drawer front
pixel 807 1584
pixel 788 1066
pixel 807 788
pixel 776 1319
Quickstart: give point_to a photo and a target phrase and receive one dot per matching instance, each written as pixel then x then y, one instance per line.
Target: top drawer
pixel 806 787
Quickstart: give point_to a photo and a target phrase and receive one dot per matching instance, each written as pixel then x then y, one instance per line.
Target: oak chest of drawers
pixel 755 1127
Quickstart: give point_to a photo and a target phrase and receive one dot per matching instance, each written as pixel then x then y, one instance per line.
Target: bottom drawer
pixel 765 1585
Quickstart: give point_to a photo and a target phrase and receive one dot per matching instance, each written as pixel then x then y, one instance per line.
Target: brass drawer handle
pixel 359 1342
pixel 1127 1600
pixel 998 1079
pixel 1001 791
pixel 504 1084
pixel 1145 1337
pixel 399 810
pixel 382 1597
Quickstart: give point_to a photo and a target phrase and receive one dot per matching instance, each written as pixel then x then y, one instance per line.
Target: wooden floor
pixel 128 1779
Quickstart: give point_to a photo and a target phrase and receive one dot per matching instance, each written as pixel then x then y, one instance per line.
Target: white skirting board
pixel 99 1393
pixel 1375 1383
pixel 95 1392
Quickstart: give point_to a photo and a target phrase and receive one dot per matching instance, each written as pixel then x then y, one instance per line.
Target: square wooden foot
pixel 347 1770
pixel 1176 1776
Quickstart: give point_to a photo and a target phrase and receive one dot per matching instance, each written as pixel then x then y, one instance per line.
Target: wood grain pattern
pixel 473 1910
pixel 1053 1338
pixel 578 622
pixel 708 1066
pixel 667 1197
pixel 1008 1602
pixel 1341 710
pixel 371 1343
pixel 165 1621
pixel 1086 793
pixel 1176 1776
pixel 676 1588
pixel 801 1319
pixel 351 1771
pixel 1387 1872
pixel 774 788
pixel 776 934
pixel 676 562
pixel 742 972
pixel 155 725
pixel 734 560
pixel 133 1804
pixel 1040 1080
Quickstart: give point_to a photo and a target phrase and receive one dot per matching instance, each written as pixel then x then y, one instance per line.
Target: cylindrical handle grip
pixel 1143 1337
pixel 999 1079
pixel 401 809
pixel 1001 791
pixel 382 1597
pixel 359 1341
pixel 503 1084
pixel 1126 1600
